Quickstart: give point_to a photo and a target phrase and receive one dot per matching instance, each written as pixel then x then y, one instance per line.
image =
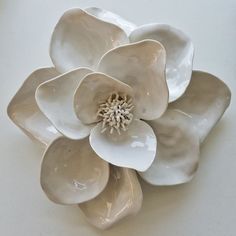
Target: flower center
pixel 116 113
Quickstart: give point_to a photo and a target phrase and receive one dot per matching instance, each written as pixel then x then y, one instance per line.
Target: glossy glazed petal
pixel 142 66
pixel 178 150
pixel 24 112
pixel 93 90
pixel 71 172
pixel 121 197
pixel 80 39
pixel 179 50
pixel 55 99
pixel 113 18
pixel 134 148
pixel 205 100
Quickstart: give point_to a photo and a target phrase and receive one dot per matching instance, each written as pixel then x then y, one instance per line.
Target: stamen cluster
pixel 116 113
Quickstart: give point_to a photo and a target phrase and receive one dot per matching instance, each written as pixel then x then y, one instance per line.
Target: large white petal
pixel 93 90
pixel 111 17
pixel 205 100
pixel 80 39
pixel 121 197
pixel 179 50
pixel 134 148
pixel 142 66
pixel 24 112
pixel 71 172
pixel 178 150
pixel 55 98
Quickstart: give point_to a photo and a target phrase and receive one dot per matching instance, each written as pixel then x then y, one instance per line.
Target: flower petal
pixel 179 50
pixel 134 148
pixel 113 18
pixel 205 100
pixel 142 66
pixel 178 150
pixel 55 99
pixel 121 197
pixel 24 112
pixel 80 39
pixel 71 172
pixel 93 90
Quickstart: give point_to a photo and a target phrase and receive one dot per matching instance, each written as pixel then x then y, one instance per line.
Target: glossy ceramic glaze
pixel 80 39
pixel 121 197
pixel 55 99
pixel 205 101
pixel 71 171
pixel 24 112
pixel 93 90
pixel 163 145
pixel 134 148
pixel 179 50
pixel 177 150
pixel 142 66
pixel 111 17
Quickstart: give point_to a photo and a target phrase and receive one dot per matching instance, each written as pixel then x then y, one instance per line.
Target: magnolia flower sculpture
pixel 121 100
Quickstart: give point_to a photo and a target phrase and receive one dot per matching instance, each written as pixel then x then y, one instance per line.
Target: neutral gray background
pixel 206 206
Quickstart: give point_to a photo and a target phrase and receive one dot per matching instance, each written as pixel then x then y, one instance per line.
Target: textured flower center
pixel 116 113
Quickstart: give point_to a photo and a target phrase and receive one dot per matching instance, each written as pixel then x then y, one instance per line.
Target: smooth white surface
pixel 205 206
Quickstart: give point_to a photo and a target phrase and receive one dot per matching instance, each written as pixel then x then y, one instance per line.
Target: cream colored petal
pixel 121 197
pixel 134 148
pixel 71 172
pixel 178 150
pixel 24 112
pixel 179 50
pixel 113 18
pixel 93 90
pixel 80 39
pixel 205 101
pixel 142 66
pixel 55 99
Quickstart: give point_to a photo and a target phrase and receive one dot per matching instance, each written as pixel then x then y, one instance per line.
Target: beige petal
pixel 205 100
pixel 80 39
pixel 113 18
pixel 142 66
pixel 93 90
pixel 55 99
pixel 24 112
pixel 121 197
pixel 134 148
pixel 178 150
pixel 179 54
pixel 71 172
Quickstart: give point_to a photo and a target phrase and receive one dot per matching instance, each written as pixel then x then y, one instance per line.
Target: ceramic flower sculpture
pixel 121 101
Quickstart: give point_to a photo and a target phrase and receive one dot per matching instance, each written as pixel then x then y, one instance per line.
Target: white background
pixel 205 206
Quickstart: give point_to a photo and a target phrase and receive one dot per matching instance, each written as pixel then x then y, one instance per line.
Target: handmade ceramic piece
pixel 120 99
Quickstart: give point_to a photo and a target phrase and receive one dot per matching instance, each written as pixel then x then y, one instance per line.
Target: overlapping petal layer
pixel 71 172
pixel 55 98
pixel 24 111
pixel 80 39
pixel 178 150
pixel 179 50
pixel 93 90
pixel 134 148
pixel 142 66
pixel 121 197
pixel 205 100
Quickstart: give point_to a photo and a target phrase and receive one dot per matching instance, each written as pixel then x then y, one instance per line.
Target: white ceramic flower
pixel 120 98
